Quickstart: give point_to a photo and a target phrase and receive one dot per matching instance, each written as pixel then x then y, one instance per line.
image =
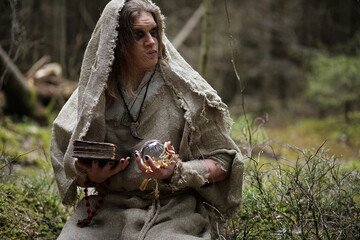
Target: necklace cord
pixel 142 103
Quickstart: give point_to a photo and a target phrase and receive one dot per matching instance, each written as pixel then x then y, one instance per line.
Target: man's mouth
pixel 151 53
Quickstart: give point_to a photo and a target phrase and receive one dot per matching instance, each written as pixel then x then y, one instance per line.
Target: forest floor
pixel 278 134
pixel 28 189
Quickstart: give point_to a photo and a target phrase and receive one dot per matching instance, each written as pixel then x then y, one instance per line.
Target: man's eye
pixel 138 35
pixel 154 33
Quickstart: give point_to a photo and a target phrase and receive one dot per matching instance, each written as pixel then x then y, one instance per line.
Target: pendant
pixel 133 133
pixel 126 119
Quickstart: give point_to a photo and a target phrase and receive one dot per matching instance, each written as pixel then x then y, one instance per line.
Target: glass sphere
pixel 153 149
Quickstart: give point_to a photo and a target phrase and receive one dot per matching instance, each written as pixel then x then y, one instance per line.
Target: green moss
pixel 26 139
pixel 29 202
pixel 28 211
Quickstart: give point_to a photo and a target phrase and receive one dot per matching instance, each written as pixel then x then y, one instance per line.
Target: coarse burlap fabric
pixel 184 109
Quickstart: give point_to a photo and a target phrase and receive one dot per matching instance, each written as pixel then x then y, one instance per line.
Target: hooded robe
pixel 181 107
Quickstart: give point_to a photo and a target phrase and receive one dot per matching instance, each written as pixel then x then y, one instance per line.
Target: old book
pixel 86 151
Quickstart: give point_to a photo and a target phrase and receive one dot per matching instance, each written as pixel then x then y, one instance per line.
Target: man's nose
pixel 149 41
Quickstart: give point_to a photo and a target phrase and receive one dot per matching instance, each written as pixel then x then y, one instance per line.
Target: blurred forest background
pixel 298 66
pixel 295 55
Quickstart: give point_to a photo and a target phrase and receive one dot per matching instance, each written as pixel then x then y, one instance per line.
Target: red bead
pixel 101 197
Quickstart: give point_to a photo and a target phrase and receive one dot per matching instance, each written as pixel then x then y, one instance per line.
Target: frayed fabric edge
pixel 191 174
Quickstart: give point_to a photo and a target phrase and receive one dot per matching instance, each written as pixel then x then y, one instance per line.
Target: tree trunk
pixel 14 83
pixel 188 27
pixel 205 37
pixel 37 28
pixel 59 34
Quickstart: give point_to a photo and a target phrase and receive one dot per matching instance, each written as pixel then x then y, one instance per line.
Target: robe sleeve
pixel 211 139
pixel 65 171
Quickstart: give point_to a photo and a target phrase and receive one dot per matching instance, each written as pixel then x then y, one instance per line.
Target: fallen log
pixel 39 64
pixel 20 95
pixel 50 84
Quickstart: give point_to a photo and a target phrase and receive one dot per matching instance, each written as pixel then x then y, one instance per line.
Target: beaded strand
pixel 91 214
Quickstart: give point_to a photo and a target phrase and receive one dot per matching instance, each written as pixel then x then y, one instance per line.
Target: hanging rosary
pixel 127 118
pixel 91 214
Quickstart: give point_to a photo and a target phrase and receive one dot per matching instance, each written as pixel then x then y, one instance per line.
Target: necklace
pixel 91 214
pixel 127 118
pixel 138 94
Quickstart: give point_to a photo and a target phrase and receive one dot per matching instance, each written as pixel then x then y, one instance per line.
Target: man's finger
pixel 109 165
pixel 139 161
pixel 151 163
pixel 121 165
pixel 95 164
pixel 127 161
pixel 81 165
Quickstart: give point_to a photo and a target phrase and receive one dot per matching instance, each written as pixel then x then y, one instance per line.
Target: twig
pixel 16 158
pixel 318 150
pixel 242 87
pixel 216 210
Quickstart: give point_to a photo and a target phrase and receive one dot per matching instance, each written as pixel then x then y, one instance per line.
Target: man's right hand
pixel 98 174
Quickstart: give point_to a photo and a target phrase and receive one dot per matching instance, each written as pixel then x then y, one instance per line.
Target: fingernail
pixel 122 161
pixel 147 158
pixel 136 155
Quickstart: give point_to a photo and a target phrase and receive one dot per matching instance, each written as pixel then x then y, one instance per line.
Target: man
pixel 135 87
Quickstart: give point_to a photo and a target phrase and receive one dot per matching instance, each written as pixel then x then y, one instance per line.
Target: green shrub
pixel 310 196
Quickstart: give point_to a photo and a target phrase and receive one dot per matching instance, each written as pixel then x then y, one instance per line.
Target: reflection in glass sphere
pixel 153 149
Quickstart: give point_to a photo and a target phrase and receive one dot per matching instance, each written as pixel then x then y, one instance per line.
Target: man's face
pixel 145 50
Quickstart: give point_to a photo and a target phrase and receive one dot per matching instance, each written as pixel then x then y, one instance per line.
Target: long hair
pixel 122 63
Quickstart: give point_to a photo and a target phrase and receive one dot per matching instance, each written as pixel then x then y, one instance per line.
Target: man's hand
pixel 154 172
pixel 99 174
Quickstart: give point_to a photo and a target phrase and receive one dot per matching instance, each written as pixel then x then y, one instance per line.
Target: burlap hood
pixel 83 114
